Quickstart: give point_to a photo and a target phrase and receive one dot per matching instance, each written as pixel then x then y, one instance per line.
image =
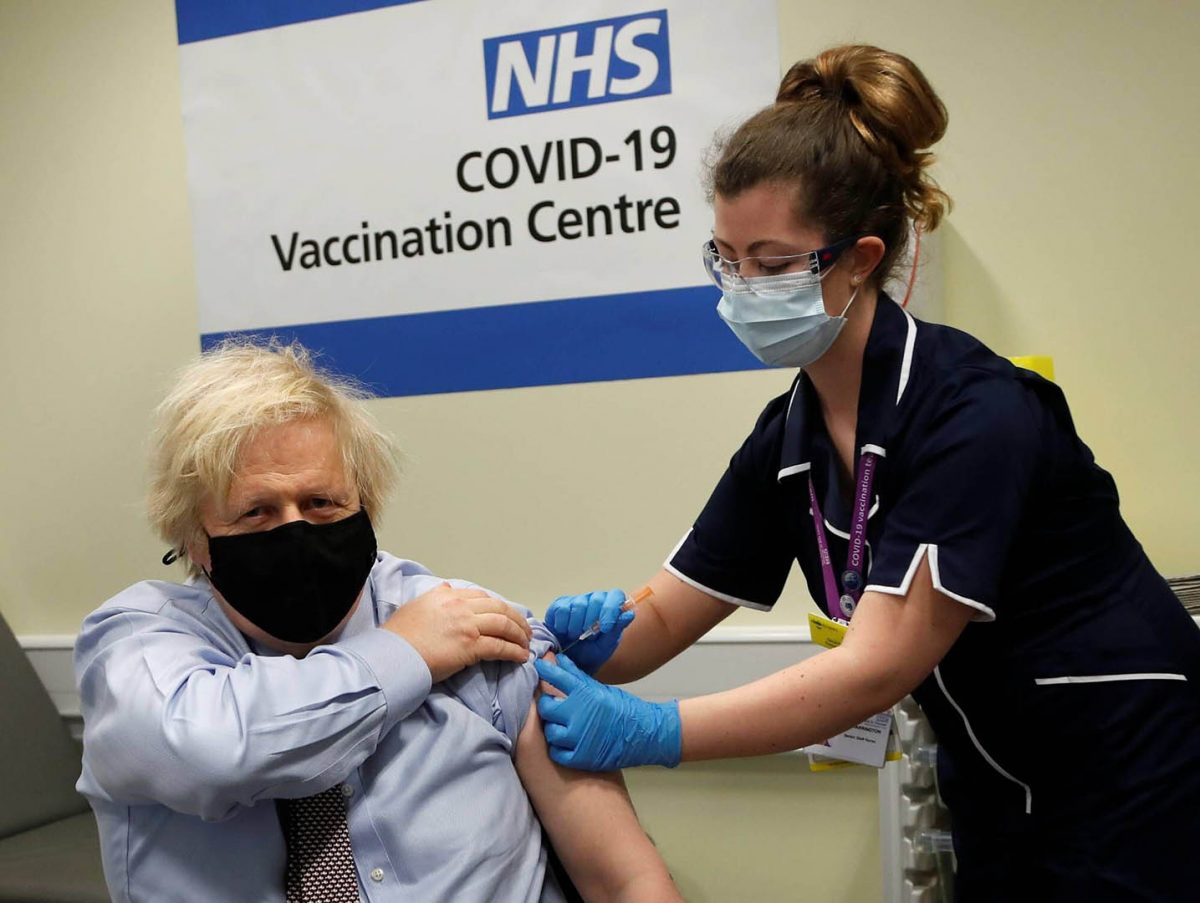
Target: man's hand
pixel 453 629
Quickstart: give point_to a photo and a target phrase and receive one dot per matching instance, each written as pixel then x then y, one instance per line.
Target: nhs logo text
pixel 577 65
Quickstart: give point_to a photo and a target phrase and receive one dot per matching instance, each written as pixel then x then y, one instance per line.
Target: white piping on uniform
pixel 937 673
pixel 989 614
pixel 936 577
pixel 836 532
pixel 902 589
pixel 906 365
pixel 844 535
pixel 1106 678
pixel 832 529
pixel 795 468
pixel 679 545
pixel 791 400
pixel 724 597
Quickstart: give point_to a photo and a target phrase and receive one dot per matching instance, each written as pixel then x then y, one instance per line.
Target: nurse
pixel 937 498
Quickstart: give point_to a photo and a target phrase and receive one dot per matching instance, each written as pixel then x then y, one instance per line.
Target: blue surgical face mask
pixel 781 319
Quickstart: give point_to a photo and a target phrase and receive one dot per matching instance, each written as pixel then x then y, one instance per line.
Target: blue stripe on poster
pixel 199 20
pixel 629 336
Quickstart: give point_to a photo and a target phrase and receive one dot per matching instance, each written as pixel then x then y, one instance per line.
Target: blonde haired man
pixel 306 714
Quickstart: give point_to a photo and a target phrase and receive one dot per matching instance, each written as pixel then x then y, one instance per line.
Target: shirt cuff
pixel 398 668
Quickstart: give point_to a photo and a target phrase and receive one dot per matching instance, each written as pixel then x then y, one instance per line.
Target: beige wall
pixel 97 297
pixel 1070 155
pixel 764 832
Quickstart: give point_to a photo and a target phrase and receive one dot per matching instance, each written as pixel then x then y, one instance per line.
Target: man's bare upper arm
pixel 592 825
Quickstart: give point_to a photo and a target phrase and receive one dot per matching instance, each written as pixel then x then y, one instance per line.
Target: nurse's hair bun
pixel 847 134
pixel 891 106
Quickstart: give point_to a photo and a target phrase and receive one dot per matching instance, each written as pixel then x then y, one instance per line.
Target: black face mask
pixel 297 581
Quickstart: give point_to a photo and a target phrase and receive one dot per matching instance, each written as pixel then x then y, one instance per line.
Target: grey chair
pixel 49 848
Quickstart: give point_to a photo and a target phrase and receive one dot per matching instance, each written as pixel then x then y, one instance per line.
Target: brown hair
pixel 848 129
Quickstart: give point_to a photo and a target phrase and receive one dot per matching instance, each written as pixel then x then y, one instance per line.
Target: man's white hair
pixel 227 395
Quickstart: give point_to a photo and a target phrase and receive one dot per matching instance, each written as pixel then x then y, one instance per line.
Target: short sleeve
pixel 738 549
pixel 959 495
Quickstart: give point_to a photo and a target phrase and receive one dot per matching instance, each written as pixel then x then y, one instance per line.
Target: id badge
pixel 866 743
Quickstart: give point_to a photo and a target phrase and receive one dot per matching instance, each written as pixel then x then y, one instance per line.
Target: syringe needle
pixel 640 596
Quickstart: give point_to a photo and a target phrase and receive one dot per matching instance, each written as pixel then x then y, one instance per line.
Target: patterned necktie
pixel 320 864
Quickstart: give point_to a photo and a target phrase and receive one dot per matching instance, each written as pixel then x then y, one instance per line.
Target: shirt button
pixel 376 875
pixel 347 791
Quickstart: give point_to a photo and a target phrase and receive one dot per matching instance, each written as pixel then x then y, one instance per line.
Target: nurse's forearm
pixel 806 703
pixel 892 644
pixel 664 625
pixel 645 646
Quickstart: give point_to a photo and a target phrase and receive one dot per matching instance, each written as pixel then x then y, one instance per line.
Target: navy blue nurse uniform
pixel 1068 711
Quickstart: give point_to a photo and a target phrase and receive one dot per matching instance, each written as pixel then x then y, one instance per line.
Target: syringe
pixel 640 596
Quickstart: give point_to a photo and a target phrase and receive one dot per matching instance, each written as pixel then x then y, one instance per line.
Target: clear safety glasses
pixel 769 275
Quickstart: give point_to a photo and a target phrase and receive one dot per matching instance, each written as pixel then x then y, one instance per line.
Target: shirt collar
pixel 886 370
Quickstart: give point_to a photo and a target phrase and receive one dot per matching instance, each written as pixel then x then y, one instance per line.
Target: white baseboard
pixel 50 655
pixel 51 658
pixel 727 657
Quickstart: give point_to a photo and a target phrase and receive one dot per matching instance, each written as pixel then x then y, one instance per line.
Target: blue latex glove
pixel 600 728
pixel 569 616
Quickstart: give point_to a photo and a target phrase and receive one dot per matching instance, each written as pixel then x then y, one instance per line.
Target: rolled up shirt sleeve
pixel 515 684
pixel 499 691
pixel 172 718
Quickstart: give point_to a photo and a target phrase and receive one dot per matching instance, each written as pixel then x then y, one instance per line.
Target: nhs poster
pixel 453 195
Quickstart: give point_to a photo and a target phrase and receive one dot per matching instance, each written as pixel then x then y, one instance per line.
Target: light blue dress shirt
pixel 190 735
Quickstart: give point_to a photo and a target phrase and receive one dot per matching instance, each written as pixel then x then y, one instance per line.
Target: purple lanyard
pixel 841 605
